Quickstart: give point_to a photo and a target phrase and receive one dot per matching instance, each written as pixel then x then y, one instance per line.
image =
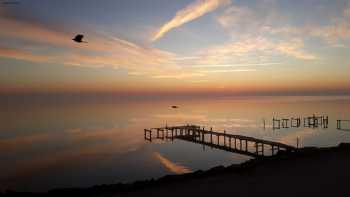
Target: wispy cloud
pixel 241 22
pixel 15 28
pixel 189 13
pixel 347 12
pixel 101 50
pixel 334 33
pixel 236 65
pixel 236 16
pixel 123 54
pixel 22 55
pixel 171 166
pixel 108 50
pixel 200 73
pixel 179 75
pixel 254 49
pixel 228 70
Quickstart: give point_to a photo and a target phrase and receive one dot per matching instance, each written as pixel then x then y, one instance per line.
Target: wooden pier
pixel 220 140
pixel 310 122
pixel 316 121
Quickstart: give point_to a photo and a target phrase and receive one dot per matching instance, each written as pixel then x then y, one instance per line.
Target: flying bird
pixel 174 107
pixel 79 38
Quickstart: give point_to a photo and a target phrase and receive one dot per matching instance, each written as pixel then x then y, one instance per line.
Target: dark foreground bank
pixel 309 172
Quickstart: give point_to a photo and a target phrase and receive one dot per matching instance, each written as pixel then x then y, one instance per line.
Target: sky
pixel 183 46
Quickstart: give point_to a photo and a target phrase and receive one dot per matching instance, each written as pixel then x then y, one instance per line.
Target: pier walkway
pixel 220 140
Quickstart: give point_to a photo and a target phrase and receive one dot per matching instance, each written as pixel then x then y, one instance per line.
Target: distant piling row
pixel 295 122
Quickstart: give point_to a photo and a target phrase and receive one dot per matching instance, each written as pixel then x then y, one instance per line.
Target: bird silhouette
pixel 79 38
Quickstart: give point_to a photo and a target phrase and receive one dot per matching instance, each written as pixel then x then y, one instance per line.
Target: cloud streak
pixel 253 49
pixel 228 70
pixel 236 65
pixel 189 13
pixel 22 55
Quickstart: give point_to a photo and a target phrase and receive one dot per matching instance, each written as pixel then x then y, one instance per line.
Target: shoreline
pixel 260 168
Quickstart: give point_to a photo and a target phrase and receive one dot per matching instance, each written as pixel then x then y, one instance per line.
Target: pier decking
pixel 220 140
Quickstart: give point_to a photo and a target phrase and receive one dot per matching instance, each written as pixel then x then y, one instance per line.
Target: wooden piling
pixel 224 138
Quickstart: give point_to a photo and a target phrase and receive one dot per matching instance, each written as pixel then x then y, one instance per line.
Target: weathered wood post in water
pixel 325 121
pixel 264 123
pixel 295 122
pixel 148 134
pixel 316 121
pixel 218 139
pixel 224 138
pixel 274 121
pixel 203 135
pixel 297 142
pixel 285 123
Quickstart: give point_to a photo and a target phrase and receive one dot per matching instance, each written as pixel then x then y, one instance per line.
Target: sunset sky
pixel 222 46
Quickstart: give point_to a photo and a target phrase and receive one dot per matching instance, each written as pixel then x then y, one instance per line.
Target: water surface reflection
pixel 63 144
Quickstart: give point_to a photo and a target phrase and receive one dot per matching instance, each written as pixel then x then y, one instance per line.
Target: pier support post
pixel 224 138
pixel 285 123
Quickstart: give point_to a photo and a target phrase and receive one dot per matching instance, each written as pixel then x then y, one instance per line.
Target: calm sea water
pixel 80 144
